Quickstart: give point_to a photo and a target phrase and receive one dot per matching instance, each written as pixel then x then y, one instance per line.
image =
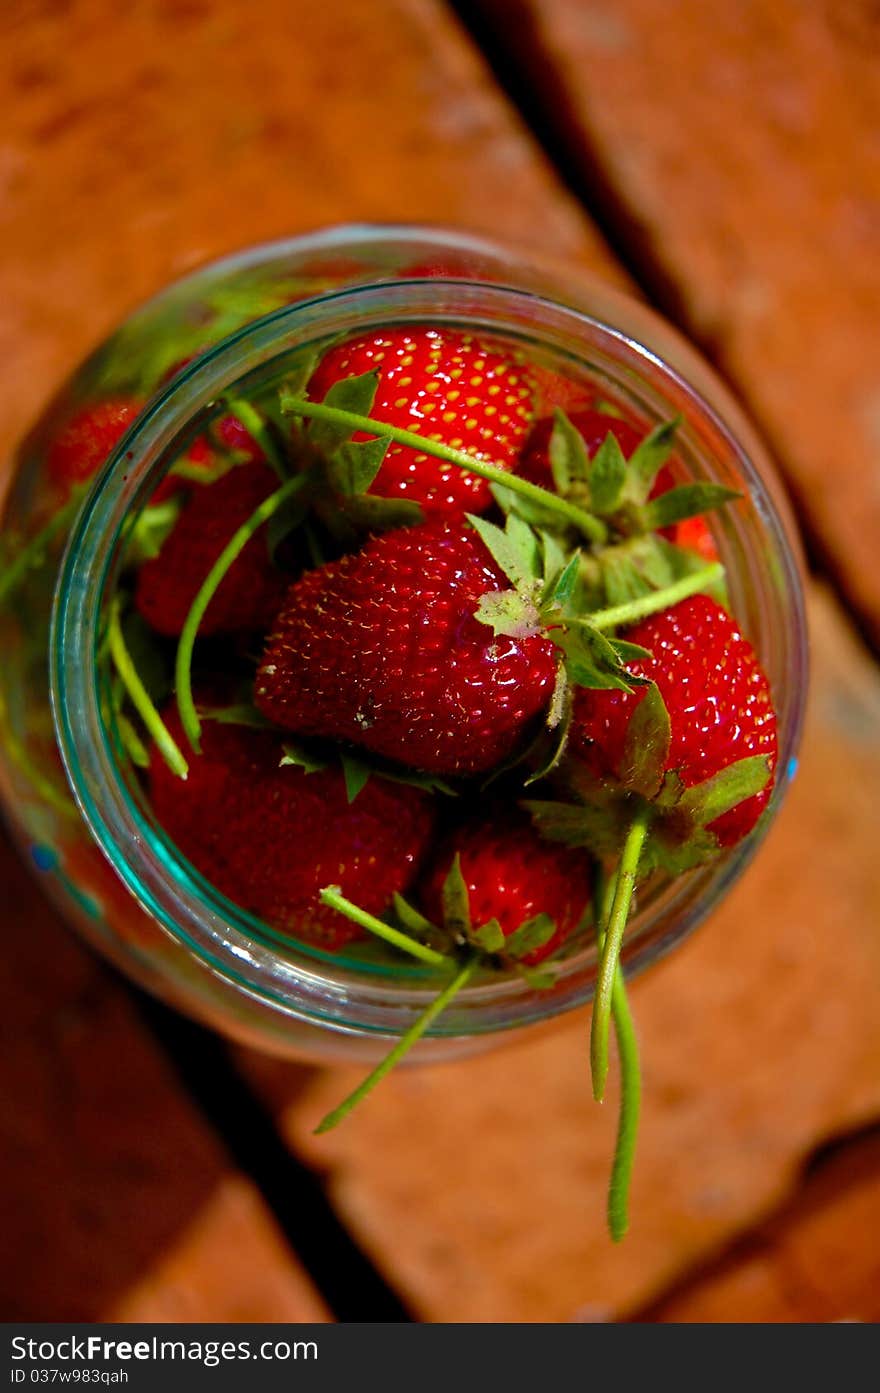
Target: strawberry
pixel 249 595
pixel 717 699
pixel 692 534
pixel 270 836
pixel 88 438
pixel 381 648
pixel 513 876
pixel 448 386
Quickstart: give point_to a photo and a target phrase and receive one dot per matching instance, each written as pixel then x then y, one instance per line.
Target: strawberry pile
pixel 453 670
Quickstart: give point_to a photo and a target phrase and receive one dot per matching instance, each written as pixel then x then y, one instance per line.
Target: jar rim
pixel 223 937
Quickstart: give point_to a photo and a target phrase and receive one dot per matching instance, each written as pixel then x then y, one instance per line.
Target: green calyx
pixel 630 558
pixel 679 836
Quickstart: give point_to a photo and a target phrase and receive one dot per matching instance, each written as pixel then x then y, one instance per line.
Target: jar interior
pixel 362 982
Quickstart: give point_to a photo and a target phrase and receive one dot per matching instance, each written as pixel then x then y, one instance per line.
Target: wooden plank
pixel 121 144
pixel 818 1260
pixel 738 150
pixel 480 1185
pixel 116 1200
pixel 143 140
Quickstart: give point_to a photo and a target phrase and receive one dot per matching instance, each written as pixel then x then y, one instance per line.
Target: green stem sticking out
pixel 253 422
pixel 334 898
pixel 34 553
pixel 630 1103
pixel 140 699
pixel 592 527
pixel 624 885
pixel 183 666
pixel 657 600
pixel 404 1044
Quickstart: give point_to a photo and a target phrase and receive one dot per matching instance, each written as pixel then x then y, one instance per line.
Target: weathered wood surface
pixel 737 149
pixel 116 1201
pixel 818 1260
pixel 142 142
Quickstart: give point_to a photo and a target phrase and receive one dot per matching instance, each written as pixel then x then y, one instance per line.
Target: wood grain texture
pixel 818 1260
pixel 480 1186
pixel 738 150
pixel 116 1201
pixel 143 140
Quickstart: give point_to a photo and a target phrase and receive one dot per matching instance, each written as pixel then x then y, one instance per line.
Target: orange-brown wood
pixel 818 1260
pixel 144 140
pixel 737 147
pixel 116 1201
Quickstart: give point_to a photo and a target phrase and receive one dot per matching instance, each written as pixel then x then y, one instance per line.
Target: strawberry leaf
pixel 535 933
pixel 725 790
pixel 410 918
pixel 676 856
pixel 515 550
pixel 355 772
pixel 352 467
pixel 508 612
pixel 540 980
pixel 240 713
pixel 366 513
pixel 646 747
pixel 648 458
pixel 685 501
pixel 629 652
pixel 355 394
pixel 607 476
pixel 456 901
pixel 515 505
pixel 558 723
pixel 569 462
pixel 489 937
pixel 302 758
pixel 151 529
pixel 592 825
pixel 563 588
pixel 591 660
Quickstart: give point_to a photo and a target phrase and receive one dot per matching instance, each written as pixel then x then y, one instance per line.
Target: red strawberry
pixel 512 875
pixel 270 837
pixel 692 534
pixel 717 696
pixel 250 594
pixel 83 445
pixel 449 387
pixel 382 648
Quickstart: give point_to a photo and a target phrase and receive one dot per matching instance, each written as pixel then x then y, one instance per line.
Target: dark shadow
pixel 104 1161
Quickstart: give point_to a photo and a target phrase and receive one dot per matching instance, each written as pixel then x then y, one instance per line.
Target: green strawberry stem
pixel 630 1080
pixel 140 699
pixel 404 1044
pixel 624 885
pixel 248 417
pixel 332 896
pixel 34 553
pixel 189 717
pixel 591 526
pixel 656 600
pixel 628 1118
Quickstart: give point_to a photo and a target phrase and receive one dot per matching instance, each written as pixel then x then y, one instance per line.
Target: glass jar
pixel 69 799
